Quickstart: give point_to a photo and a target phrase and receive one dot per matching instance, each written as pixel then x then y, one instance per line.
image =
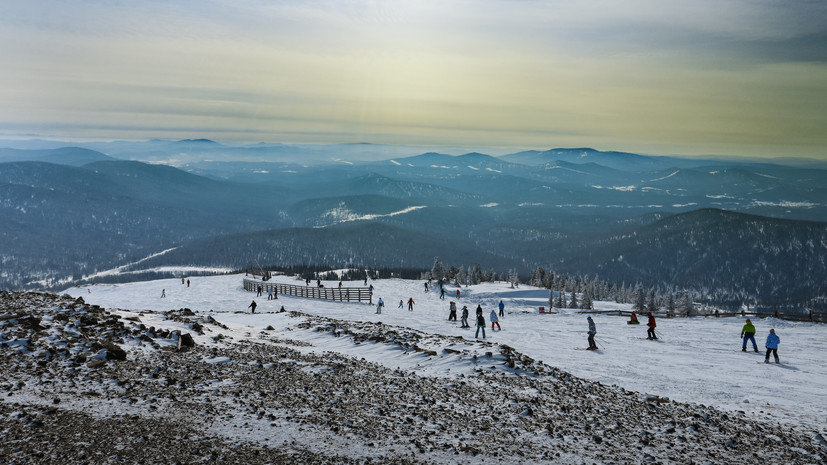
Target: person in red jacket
pixel 651 324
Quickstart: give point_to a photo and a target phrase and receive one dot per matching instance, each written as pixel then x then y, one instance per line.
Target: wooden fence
pixel 343 294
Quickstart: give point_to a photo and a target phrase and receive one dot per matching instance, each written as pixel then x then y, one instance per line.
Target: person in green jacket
pixel 748 334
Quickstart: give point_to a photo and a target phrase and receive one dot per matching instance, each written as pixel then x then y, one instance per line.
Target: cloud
pixel 738 77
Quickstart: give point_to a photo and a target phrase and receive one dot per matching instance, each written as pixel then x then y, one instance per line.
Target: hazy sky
pixel 740 77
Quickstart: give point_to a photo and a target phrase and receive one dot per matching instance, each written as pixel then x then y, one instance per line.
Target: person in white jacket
pixel 494 320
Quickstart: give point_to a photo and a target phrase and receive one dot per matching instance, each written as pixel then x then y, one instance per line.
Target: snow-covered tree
pixel 651 306
pixel 586 303
pixel 640 299
pixel 476 274
pixel 574 303
pixel 437 271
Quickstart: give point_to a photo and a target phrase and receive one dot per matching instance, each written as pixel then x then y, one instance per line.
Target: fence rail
pixel 342 294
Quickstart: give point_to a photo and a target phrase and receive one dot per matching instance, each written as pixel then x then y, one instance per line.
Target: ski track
pixel 697 360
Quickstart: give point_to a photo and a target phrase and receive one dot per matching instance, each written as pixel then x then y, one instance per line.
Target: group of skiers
pixel 747 335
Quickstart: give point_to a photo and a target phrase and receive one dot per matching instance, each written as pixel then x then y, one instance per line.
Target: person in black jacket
pixel 253 306
pixel 480 324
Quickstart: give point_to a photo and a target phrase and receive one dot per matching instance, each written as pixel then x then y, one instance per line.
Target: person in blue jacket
pixel 502 307
pixel 772 346
pixel 592 332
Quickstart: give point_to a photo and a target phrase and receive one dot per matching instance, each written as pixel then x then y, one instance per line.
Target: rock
pixel 187 341
pixel 113 352
pixel 96 363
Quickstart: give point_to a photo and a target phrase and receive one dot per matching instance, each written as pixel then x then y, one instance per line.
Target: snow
pixel 696 360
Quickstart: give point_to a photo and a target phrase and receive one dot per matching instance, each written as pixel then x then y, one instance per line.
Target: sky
pixel 742 77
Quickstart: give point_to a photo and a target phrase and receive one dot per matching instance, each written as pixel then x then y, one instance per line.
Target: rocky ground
pixel 85 385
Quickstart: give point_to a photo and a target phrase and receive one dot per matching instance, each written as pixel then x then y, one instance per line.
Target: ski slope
pixel 697 360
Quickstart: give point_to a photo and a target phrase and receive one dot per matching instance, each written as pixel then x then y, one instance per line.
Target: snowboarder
pixel 442 293
pixel 379 306
pixel 652 325
pixel 269 293
pixel 772 346
pixel 748 334
pixel 259 291
pixel 401 303
pixel 410 304
pixel 163 293
pixel 253 306
pixel 480 325
pixel 502 308
pixel 633 319
pixel 592 332
pixel 494 320
pixel 452 314
pixel 426 286
pixel 182 280
pixel 457 294
pixel 465 317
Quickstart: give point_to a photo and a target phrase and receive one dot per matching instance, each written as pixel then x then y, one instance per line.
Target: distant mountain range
pixel 735 231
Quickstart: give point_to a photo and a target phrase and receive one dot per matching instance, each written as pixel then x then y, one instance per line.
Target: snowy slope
pixel 696 360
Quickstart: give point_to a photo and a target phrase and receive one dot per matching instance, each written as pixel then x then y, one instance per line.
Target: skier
pixel 652 325
pixel 253 306
pixel 163 293
pixel 259 291
pixel 457 294
pixel 188 283
pixel 379 306
pixel 502 308
pixel 270 293
pixel 182 280
pixel 426 286
pixel 410 304
pixel 465 317
pixel 772 346
pixel 480 325
pixel 401 303
pixel 442 293
pixel 748 334
pixel 494 320
pixel 479 310
pixel 633 319
pixel 592 332
pixel 452 315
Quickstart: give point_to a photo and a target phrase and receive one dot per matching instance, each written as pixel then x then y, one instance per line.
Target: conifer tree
pixel 640 300
pixel 651 306
pixel 437 271
pixel 573 303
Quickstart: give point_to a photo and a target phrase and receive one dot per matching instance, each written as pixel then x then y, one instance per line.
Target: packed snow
pixel 695 360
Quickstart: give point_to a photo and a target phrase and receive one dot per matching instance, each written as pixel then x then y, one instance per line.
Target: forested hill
pixel 732 256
